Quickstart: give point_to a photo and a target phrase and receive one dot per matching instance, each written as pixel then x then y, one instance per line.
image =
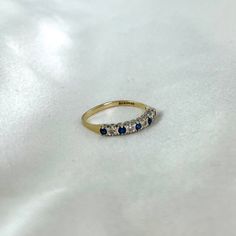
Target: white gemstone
pixel 112 130
pixel 151 113
pixel 144 122
pixel 131 128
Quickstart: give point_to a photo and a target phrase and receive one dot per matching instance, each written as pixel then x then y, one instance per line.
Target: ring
pixel 122 128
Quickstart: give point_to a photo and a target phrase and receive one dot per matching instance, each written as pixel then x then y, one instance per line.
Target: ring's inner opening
pixel 115 115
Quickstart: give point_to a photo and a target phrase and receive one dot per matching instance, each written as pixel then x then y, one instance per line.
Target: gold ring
pixel 122 128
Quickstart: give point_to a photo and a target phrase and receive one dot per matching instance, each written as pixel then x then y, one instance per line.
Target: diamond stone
pixel 131 127
pixel 112 130
pixel 144 122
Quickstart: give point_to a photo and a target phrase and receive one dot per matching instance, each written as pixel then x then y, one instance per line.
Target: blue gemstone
pixel 103 131
pixel 138 126
pixel 149 120
pixel 122 130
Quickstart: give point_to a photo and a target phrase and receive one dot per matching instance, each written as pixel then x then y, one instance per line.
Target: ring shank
pixel 104 106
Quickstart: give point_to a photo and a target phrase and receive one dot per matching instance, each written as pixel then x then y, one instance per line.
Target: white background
pixel 60 58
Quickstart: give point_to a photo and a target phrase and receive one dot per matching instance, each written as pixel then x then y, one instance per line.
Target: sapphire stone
pixel 103 131
pixel 122 130
pixel 138 126
pixel 149 120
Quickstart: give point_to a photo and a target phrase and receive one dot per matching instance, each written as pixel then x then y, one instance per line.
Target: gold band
pixel 126 127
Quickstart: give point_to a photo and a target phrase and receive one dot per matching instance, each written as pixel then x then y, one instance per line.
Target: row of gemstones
pixel 129 127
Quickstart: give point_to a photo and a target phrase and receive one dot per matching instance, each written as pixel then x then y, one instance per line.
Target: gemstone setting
pixel 122 130
pixel 132 126
pixel 103 131
pixel 149 120
pixel 138 126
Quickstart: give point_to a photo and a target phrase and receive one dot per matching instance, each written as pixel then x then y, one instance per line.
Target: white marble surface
pixel 59 58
